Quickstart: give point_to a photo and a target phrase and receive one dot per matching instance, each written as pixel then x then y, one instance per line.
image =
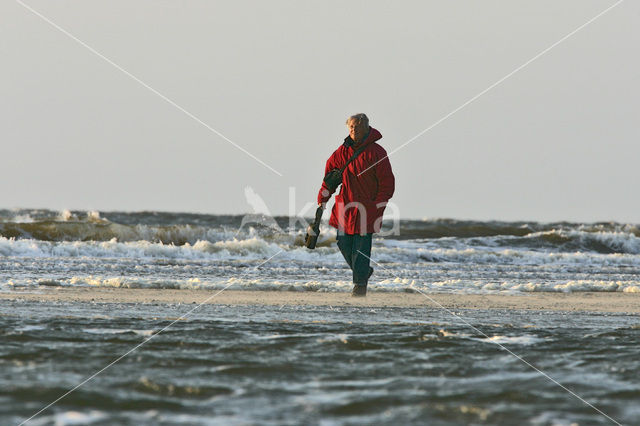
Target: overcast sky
pixel 558 140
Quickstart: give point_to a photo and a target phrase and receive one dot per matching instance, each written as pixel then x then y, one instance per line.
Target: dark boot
pixel 359 291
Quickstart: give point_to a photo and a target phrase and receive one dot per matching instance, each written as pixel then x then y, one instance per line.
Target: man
pixel 367 184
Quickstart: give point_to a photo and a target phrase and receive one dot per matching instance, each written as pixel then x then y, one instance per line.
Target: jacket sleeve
pixel 386 180
pixel 325 194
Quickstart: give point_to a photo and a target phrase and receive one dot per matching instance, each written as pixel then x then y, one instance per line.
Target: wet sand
pixel 571 302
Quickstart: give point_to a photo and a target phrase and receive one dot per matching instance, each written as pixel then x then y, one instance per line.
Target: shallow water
pixel 314 365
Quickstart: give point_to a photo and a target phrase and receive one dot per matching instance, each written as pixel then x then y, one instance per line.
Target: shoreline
pixel 604 302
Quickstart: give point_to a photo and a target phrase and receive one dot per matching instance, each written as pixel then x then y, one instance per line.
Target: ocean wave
pixel 253 247
pixel 555 241
pixel 595 241
pixel 56 231
pixel 290 249
pixel 92 227
pixel 182 228
pixel 552 241
pixel 249 248
pixel 442 228
pixel 411 252
pixel 209 237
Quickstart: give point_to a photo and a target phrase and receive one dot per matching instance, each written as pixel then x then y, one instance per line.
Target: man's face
pixel 357 131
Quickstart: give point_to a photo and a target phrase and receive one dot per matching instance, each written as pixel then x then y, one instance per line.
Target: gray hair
pixel 359 118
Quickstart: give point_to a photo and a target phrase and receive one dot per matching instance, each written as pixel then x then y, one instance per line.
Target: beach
pixel 569 302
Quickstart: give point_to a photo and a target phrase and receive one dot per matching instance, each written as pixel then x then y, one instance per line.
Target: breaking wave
pixel 183 251
pixel 191 229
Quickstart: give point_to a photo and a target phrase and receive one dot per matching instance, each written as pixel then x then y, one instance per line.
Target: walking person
pixel 367 185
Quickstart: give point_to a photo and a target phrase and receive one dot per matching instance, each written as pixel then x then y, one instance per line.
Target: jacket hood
pixel 373 136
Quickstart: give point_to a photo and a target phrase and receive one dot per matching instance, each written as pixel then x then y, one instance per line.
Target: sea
pixel 69 363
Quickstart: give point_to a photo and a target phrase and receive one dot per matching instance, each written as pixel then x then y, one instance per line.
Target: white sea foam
pixel 258 248
pixel 575 286
pixel 393 251
pixel 94 215
pixel 22 218
pixel 235 283
pixel 139 249
pixel 444 333
pixel 512 340
pixel 71 418
pixel 253 280
pixel 30 328
pixel 342 338
pixel 66 215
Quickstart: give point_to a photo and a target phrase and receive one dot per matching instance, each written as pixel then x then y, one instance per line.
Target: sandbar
pixel 614 302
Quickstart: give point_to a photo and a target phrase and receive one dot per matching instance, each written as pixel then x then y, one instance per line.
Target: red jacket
pixel 362 199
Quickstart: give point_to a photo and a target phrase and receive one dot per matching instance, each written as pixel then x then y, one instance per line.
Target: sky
pixel 190 106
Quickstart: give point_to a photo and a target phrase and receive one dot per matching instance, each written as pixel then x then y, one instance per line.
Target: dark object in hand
pixel 314 230
pixel 333 179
